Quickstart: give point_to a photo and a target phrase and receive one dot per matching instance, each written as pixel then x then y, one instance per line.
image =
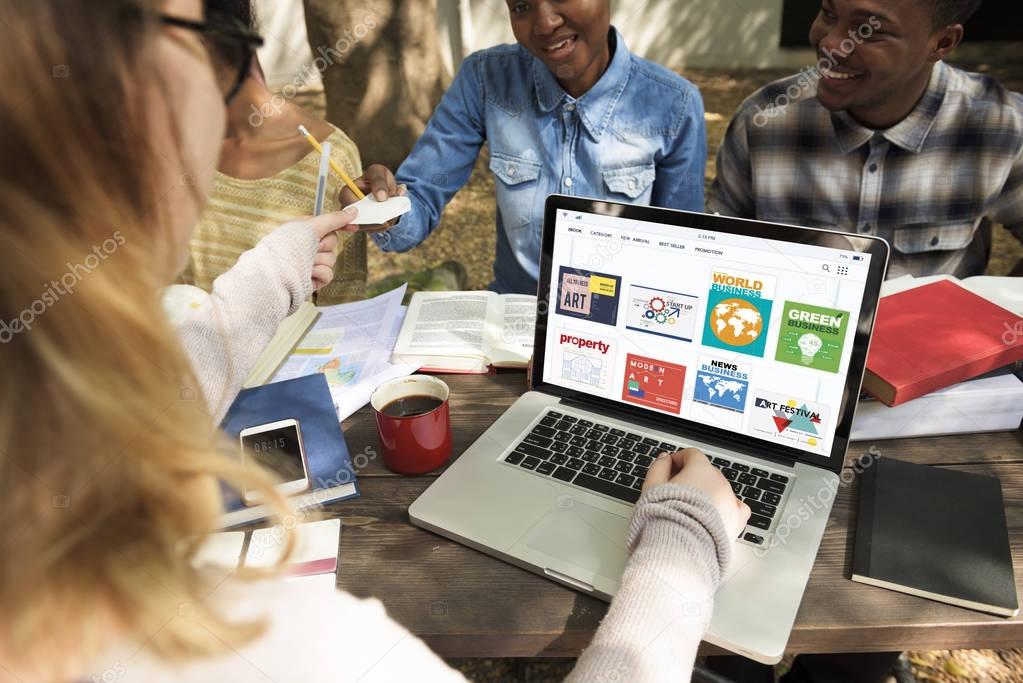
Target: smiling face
pixel 568 36
pixel 877 56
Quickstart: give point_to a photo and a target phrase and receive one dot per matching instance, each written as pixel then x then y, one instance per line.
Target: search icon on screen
pixel 826 268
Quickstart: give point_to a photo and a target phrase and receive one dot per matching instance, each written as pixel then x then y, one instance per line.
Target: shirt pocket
pixel 632 181
pixel 517 186
pixel 918 238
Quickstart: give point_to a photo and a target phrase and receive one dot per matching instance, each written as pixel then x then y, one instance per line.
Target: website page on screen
pixel 741 333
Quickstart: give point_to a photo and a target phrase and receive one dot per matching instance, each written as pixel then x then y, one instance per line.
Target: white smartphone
pixel 278 447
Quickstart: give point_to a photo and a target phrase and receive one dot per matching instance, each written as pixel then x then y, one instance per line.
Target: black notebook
pixel 935 533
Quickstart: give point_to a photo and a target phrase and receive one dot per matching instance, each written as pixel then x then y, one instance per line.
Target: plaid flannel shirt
pixel 932 185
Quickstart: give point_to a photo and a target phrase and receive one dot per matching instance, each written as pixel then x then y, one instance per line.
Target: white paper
pixel 373 212
pixel 356 396
pixel 1006 292
pixel 325 583
pixel 351 346
pixel 220 550
pixel 313 542
pixel 952 410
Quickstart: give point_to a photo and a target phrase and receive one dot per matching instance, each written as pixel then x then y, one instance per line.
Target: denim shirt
pixel 638 136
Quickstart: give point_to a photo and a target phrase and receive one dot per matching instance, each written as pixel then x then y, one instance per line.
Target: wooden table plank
pixel 466 604
pixel 953 449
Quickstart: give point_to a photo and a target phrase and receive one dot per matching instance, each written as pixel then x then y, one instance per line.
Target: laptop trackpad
pixel 581 541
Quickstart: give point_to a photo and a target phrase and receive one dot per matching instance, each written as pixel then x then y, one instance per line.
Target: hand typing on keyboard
pixel 615 462
pixel 691 467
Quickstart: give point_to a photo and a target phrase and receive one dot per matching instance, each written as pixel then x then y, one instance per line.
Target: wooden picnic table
pixel 464 603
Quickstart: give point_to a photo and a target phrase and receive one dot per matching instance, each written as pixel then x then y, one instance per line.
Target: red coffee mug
pixel 413 443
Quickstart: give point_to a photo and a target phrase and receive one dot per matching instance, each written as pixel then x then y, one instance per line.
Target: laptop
pixel 656 330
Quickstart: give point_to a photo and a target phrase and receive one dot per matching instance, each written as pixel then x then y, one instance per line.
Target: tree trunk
pixel 381 70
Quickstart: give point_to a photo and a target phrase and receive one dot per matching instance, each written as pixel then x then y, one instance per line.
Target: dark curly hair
pixel 947 12
pixel 238 10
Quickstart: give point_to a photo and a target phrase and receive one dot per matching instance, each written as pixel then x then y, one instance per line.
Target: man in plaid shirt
pixel 883 138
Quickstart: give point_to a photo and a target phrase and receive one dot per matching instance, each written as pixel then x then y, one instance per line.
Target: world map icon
pixel 736 322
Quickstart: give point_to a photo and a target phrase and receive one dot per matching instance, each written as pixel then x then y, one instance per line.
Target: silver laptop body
pixel 490 500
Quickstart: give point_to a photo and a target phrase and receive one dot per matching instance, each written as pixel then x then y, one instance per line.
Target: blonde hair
pixel 108 456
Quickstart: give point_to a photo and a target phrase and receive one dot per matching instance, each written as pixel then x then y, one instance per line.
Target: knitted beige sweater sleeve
pixel 679 552
pixel 225 331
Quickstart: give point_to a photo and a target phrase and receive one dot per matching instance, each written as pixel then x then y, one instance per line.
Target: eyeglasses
pixel 230 44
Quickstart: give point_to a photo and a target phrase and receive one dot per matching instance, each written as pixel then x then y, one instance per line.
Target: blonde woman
pixel 109 459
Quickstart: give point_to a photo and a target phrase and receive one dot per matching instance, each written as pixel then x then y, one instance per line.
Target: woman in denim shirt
pixel 567 110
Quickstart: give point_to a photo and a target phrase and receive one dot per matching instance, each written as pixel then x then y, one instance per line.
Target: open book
pixel 467 332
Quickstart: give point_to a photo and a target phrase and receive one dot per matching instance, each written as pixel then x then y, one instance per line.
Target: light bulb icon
pixel 809 345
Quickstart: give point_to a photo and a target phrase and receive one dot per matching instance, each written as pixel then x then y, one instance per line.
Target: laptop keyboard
pixel 758 488
pixel 614 462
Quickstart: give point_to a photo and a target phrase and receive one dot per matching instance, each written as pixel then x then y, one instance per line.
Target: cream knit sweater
pixel 678 546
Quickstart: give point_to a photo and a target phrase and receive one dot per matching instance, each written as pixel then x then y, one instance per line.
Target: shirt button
pixel 632 182
pixel 569 107
pixel 934 241
pixel 568 182
pixel 512 171
pixel 873 168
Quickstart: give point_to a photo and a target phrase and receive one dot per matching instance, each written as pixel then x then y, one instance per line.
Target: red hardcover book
pixel 934 336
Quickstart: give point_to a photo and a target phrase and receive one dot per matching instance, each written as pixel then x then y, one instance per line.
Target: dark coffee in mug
pixel 410 406
pixel 414 423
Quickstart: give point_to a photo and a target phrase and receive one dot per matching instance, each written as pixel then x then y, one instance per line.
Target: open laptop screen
pixel 738 332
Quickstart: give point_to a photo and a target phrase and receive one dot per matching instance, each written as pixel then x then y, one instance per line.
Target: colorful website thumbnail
pixel 722 384
pixel 653 383
pixel 588 296
pixel 788 420
pixel 812 336
pixel 584 359
pixel 738 311
pixel 656 311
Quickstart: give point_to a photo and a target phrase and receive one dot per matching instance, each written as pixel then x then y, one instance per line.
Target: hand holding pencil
pixel 326 226
pixel 333 164
pixel 378 180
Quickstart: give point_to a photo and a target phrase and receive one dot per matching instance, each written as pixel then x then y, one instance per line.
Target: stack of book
pixel 945 358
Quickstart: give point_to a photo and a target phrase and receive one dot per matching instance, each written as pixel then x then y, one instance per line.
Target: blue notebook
pixel 308 400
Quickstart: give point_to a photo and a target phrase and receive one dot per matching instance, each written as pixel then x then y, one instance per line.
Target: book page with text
pixel 445 324
pixel 512 343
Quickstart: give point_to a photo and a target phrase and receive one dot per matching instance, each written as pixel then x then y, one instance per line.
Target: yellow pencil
pixel 333 164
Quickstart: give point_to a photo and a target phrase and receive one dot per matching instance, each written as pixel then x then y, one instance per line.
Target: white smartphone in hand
pixel 278 447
